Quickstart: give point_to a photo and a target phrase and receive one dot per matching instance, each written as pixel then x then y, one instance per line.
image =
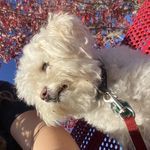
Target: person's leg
pixel 26 127
pixel 10 108
pixel 32 133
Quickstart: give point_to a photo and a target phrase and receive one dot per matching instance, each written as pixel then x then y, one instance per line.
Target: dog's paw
pixel 2 143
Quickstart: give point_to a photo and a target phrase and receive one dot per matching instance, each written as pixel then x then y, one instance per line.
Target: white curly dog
pixel 60 73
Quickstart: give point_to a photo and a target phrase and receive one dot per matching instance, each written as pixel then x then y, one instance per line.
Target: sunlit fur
pixel 67 46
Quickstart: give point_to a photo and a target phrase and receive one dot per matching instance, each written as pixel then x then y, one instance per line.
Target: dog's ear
pixel 68 27
pixel 70 32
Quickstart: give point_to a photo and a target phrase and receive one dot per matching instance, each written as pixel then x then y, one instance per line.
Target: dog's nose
pixel 45 94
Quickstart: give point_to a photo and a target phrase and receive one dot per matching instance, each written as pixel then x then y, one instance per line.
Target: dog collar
pixel 102 87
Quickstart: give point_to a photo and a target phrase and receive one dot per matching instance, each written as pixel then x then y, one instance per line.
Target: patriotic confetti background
pixel 108 20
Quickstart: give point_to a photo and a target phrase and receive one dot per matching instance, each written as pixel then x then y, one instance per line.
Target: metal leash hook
pixel 119 106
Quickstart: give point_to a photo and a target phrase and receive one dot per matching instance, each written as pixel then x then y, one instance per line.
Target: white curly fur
pixel 67 46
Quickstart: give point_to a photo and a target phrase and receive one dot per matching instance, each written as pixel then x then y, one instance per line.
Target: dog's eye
pixel 44 66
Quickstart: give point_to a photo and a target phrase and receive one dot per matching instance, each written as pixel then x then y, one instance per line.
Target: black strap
pixel 102 86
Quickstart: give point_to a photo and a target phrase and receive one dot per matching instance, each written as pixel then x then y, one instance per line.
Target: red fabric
pixel 135 133
pixel 138 35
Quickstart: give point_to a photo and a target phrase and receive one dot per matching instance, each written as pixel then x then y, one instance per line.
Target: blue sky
pixel 7 71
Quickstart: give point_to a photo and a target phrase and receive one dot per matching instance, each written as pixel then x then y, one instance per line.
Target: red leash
pixel 128 115
pixel 135 133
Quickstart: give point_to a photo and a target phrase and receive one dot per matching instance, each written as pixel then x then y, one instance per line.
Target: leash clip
pixel 119 106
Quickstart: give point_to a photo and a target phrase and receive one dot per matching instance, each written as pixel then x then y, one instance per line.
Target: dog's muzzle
pixel 48 96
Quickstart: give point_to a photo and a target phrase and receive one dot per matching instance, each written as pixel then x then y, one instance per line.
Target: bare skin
pixel 32 134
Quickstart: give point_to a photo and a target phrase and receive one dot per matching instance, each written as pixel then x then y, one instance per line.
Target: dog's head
pixel 59 72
